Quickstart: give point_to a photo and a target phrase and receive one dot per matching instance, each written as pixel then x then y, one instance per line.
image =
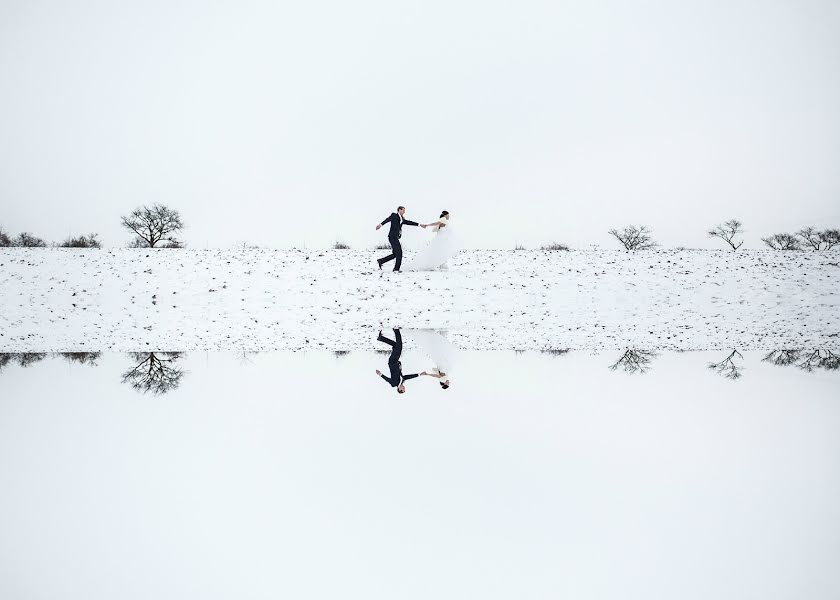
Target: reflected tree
pixel 782 358
pixel 82 358
pixel 634 361
pixel 155 372
pixel 819 359
pixel 23 359
pixel 807 360
pixel 728 367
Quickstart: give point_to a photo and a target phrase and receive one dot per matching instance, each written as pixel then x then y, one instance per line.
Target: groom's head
pixel 401 389
pixel 401 210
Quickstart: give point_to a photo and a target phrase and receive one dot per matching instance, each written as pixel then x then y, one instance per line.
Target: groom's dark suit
pixel 394 364
pixel 394 239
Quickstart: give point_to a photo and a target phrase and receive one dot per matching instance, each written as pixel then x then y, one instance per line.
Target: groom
pixel 397 221
pixel 397 379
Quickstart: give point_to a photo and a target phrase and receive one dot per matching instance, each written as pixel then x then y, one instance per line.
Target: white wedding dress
pixel 442 247
pixel 435 346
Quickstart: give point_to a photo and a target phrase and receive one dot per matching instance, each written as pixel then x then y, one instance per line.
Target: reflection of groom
pixel 397 221
pixel 397 378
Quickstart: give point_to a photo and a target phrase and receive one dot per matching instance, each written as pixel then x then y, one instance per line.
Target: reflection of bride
pixel 438 349
pixel 440 249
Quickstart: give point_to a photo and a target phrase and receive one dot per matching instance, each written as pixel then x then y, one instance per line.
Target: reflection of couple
pixel 433 343
pixel 435 255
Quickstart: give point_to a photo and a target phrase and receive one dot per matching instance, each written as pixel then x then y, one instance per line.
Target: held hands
pixel 423 226
pixel 378 372
pixel 378 226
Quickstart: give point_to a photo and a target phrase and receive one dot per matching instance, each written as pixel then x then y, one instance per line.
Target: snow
pixel 127 299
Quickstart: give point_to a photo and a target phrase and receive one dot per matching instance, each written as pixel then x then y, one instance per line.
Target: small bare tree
pixel 154 372
pixel 27 240
pixel 83 241
pixel 810 237
pixel 782 241
pixel 728 231
pixel 634 238
pixel 728 367
pixel 152 225
pixel 340 246
pixel 5 240
pixel 634 361
pixel 830 238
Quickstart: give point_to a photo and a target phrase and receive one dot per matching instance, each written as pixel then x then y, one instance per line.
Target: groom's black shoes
pixel 379 262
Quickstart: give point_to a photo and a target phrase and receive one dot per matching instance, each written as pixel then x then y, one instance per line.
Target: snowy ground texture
pixel 69 300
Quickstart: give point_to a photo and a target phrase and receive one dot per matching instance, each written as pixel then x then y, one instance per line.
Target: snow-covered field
pixel 122 299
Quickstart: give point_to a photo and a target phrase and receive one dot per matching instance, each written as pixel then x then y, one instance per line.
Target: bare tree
pixel 154 372
pixel 634 238
pixel 810 237
pixel 83 241
pixel 782 241
pixel 830 238
pixel 340 246
pixel 152 225
pixel 728 367
pixel 27 240
pixel 728 231
pixel 634 361
pixel 5 240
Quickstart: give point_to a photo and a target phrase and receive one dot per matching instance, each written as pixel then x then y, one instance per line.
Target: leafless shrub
pixel 555 246
pixel 382 247
pixel 23 359
pixel 519 248
pixel 728 367
pixel 27 240
pixel 634 237
pixel 340 246
pixel 340 353
pixel 82 358
pixel 83 241
pixel 782 241
pixel 818 240
pixel 152 225
pixel 5 240
pixel 154 373
pixel 728 231
pixel 555 351
pixel 634 361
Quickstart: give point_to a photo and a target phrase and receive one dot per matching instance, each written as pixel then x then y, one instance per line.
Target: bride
pixel 443 247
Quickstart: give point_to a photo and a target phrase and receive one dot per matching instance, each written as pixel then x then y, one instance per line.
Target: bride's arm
pixel 436 224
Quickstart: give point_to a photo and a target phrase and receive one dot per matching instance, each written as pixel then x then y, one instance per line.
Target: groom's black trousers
pixel 396 253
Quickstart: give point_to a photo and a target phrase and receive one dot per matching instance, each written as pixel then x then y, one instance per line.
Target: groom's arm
pixel 407 377
pixel 407 222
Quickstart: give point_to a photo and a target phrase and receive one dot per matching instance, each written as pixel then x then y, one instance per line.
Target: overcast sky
pixel 303 122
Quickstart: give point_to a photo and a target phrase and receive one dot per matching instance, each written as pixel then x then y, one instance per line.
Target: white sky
pixel 306 476
pixel 291 123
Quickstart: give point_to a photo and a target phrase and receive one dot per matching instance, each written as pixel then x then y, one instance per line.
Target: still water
pixel 626 474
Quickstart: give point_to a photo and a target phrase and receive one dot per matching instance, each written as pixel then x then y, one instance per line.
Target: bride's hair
pixel 444 385
pixel 444 214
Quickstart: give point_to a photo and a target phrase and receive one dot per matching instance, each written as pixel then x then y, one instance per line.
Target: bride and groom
pixel 434 255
